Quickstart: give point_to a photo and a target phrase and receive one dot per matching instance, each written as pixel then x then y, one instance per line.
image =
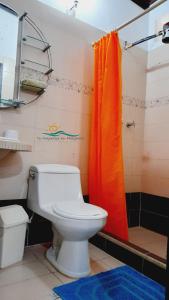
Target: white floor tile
pixel 97 266
pixel 112 263
pixel 28 257
pixel 63 278
pixel 22 272
pixel 96 253
pixel 34 277
pixel 39 288
pixel 39 252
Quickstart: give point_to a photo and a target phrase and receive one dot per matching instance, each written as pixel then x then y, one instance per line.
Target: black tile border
pixel 149 211
pixel 143 209
pixel 133 205
pixel 133 201
pixel 154 272
pixel 39 230
pixel 167 271
pixel 155 204
pixel 124 255
pixel 133 218
pixel 136 261
pixel 21 202
pixel 154 222
pixel 137 248
pixel 154 213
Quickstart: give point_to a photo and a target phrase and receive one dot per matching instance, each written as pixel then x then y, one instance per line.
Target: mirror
pixel 9 22
pixel 25 59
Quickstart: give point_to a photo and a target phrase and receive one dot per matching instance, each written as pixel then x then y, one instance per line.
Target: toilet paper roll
pixel 33 85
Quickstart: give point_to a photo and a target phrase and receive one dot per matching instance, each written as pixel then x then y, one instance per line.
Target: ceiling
pixel 144 3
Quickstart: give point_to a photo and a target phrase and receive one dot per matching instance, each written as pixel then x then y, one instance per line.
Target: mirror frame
pixel 18 52
pixel 9 9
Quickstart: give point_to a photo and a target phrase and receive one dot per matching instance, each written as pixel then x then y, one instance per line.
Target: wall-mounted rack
pixel 10 103
pixel 34 38
pixel 27 37
pixel 36 63
pixel 33 66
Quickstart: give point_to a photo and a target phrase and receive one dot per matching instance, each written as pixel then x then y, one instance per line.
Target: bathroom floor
pixel 34 277
pixel 149 240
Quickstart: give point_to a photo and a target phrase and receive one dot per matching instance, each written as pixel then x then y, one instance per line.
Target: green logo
pixel 54 132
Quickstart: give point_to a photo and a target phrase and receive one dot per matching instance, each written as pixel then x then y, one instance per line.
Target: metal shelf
pixel 27 37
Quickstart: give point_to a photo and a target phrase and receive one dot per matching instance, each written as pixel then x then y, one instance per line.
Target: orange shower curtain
pixel 106 178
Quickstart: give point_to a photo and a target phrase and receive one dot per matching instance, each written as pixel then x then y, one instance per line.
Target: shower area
pixel 145 71
pixel 145 139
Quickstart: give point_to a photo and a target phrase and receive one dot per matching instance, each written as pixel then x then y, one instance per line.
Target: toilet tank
pixel 53 183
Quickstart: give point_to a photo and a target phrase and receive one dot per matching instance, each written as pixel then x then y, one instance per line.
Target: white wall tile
pixel 155 167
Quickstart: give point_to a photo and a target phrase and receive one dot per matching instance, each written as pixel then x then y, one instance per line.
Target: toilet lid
pixel 76 210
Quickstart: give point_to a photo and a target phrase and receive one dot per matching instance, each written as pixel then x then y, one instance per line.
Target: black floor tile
pixel 154 272
pixel 39 233
pixel 124 255
pixel 99 241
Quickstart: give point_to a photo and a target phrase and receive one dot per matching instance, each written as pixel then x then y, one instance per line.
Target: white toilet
pixel 55 193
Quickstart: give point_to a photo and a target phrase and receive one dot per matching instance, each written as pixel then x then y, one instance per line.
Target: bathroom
pixel 64 103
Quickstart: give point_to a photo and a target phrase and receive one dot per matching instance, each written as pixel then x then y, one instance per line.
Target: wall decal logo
pixel 53 131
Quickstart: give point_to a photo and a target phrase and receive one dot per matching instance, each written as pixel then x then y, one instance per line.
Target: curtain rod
pixel 153 6
pixel 156 4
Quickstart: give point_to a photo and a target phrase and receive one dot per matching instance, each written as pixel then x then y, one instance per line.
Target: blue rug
pixel 123 283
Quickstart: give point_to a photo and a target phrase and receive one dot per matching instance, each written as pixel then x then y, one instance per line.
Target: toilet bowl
pixel 55 193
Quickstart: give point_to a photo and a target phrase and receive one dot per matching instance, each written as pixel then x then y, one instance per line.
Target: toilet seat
pixel 76 210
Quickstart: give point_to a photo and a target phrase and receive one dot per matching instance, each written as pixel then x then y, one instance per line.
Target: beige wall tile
pixel 155 185
pixel 72 112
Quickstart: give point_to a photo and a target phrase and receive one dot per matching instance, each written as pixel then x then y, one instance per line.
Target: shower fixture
pixel 164 33
pixel 130 124
pixel 72 11
pixel 165 37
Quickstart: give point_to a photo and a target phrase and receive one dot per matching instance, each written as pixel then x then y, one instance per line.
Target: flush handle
pixel 32 175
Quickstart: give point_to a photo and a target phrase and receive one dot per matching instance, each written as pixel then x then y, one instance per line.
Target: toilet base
pixel 72 259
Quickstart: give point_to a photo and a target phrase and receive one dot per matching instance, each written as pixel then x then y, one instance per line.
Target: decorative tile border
pixel 145 104
pixel 132 101
pixel 63 83
pixel 157 102
pixel 68 84
pixel 80 88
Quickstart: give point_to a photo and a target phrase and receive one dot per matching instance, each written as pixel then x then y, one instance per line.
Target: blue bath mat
pixel 123 283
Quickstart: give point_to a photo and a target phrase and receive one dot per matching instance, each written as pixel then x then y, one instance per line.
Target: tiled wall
pixel 154 213
pixel 133 204
pixel 155 174
pixel 148 211
pixel 67 103
pixel 134 90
